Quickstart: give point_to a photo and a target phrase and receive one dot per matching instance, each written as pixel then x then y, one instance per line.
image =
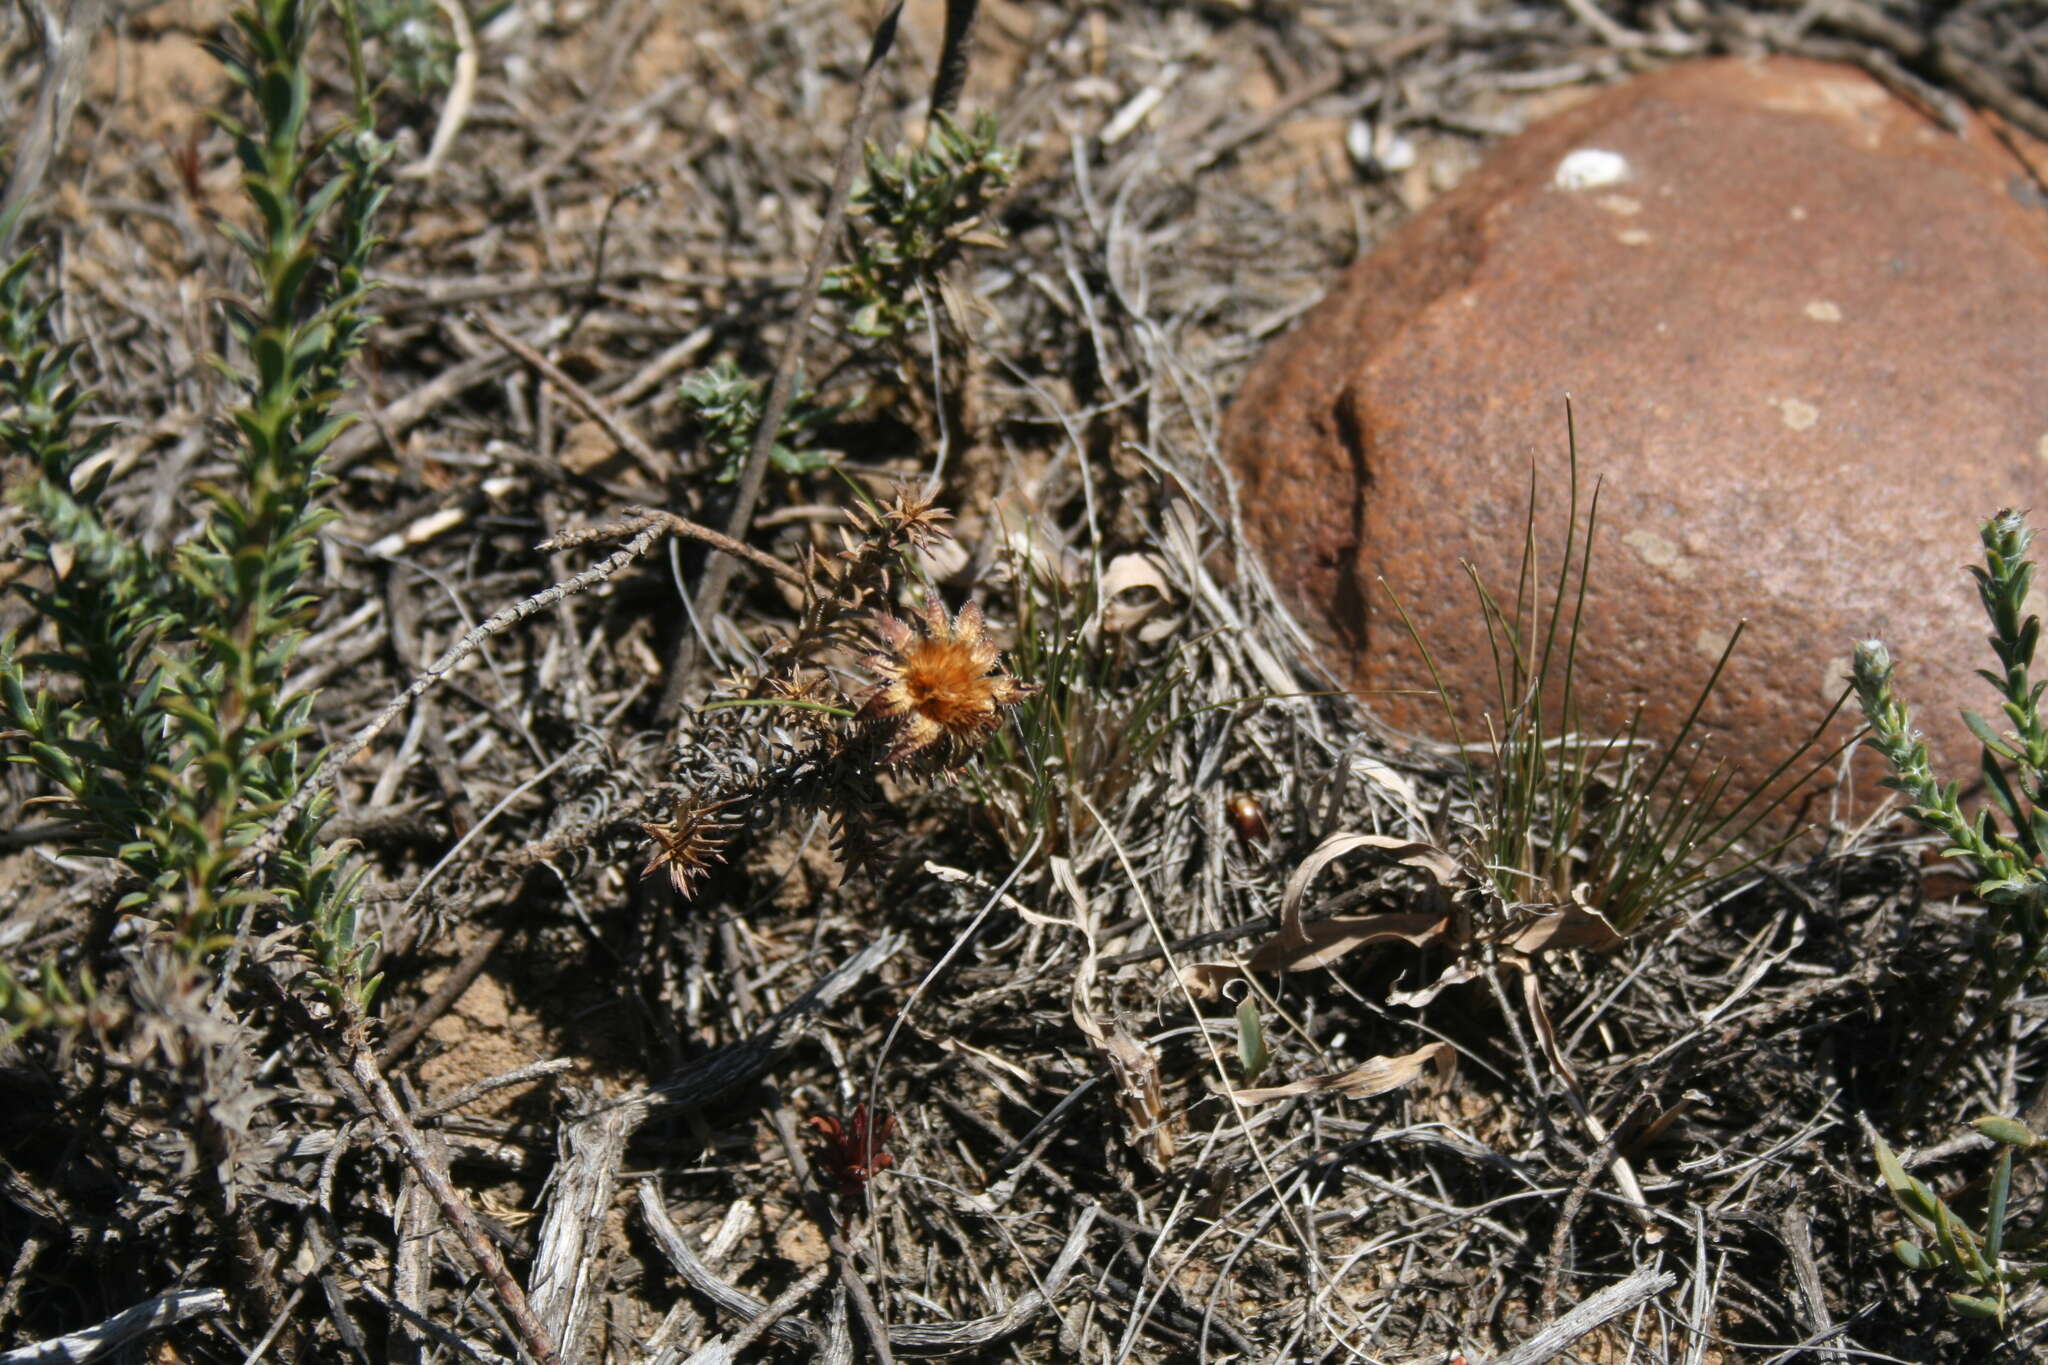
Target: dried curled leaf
pixel 1456 974
pixel 1134 1065
pixel 1300 947
pixel 1317 945
pixel 1376 1076
pixel 1327 940
pixel 1134 590
pixel 1428 857
pixel 1577 925
pixel 1511 940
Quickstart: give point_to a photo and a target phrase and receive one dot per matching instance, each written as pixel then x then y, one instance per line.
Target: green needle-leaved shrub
pixel 152 693
pixel 2004 841
pixel 917 210
pixel 2013 766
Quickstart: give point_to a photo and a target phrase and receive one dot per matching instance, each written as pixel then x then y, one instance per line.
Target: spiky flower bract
pixel 943 688
pixel 910 517
pixel 688 842
pixel 843 587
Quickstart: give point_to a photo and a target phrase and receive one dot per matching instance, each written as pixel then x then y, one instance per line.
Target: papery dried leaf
pixel 1572 927
pixel 1298 947
pixel 1326 940
pixel 1376 1076
pixel 1133 1064
pixel 1539 1017
pixel 1206 980
pixel 1457 974
pixel 1409 853
pixel 1133 589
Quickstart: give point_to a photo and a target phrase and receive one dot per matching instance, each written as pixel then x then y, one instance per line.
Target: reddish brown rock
pixel 1806 338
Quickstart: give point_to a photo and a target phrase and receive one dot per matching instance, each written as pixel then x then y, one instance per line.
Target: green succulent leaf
pixel 2009 1131
pixel 1252 1053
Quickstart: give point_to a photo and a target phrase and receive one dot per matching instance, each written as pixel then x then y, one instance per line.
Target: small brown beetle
pixel 1249 817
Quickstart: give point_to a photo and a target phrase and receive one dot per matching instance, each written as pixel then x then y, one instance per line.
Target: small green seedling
pixel 920 208
pixel 726 405
pixel 1993 1261
pixel 1081 740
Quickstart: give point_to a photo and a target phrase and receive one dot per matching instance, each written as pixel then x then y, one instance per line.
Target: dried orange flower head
pixel 688 842
pixel 943 688
pixel 913 516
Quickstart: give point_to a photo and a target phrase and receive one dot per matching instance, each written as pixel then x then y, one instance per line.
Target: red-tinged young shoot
pixel 849 1151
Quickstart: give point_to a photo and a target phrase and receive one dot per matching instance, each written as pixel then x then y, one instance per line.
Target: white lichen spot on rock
pixel 1711 643
pixel 1632 237
pixel 1820 310
pixel 1650 547
pixel 1848 100
pixel 1620 205
pixel 1798 213
pixel 1659 553
pixel 1589 168
pixel 1796 414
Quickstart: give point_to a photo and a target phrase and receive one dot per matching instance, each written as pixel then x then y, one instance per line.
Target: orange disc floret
pixel 943 688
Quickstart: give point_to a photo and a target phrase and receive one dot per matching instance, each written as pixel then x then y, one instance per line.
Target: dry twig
pixel 718 576
pixel 121 1331
pixel 1609 1303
